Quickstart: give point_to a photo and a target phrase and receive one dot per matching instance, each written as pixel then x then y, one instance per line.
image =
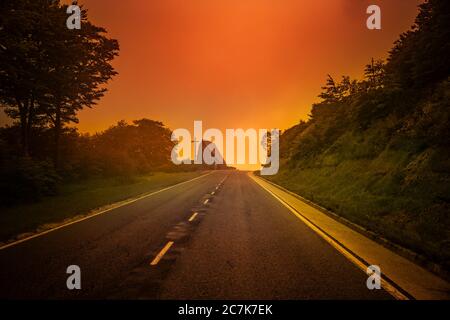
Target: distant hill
pixel 377 150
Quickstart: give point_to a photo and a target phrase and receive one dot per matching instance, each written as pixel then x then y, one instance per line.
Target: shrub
pixel 24 179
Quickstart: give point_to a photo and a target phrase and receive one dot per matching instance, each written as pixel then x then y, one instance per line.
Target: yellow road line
pixel 100 213
pixel 162 253
pixel 344 251
pixel 193 217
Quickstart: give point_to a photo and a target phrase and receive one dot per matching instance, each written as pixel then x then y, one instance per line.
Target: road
pixel 226 238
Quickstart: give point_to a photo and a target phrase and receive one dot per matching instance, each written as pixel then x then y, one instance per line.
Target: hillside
pixel 376 151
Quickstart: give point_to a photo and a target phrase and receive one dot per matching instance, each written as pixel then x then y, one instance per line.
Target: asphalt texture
pixel 242 244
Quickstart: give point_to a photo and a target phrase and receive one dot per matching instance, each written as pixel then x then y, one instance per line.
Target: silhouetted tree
pixel 330 92
pixel 334 92
pixel 375 73
pixel 79 73
pixel 21 53
pixel 47 71
pixel 421 56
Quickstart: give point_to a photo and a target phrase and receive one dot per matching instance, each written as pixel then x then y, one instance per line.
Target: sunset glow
pixel 237 158
pixel 256 63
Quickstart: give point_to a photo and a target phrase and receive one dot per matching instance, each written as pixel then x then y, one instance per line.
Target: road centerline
pixel 192 218
pixel 161 254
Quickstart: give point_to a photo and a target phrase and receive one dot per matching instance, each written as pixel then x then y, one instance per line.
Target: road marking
pixel 12 244
pixel 193 217
pixel 161 253
pixel 213 193
pixel 206 201
pixel 359 262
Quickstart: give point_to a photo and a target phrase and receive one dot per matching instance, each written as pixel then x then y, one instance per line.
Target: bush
pixel 26 180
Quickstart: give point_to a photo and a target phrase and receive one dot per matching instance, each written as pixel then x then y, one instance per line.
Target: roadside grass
pixel 80 198
pixel 375 199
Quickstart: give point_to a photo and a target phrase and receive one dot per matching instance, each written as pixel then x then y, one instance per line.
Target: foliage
pixel 24 179
pixel 48 72
pixel 376 150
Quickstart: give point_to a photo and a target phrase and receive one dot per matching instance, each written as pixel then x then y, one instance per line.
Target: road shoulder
pixel 405 278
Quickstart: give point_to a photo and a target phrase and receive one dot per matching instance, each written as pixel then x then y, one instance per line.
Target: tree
pixel 77 70
pixel 47 71
pixel 143 146
pixel 154 142
pixel 374 73
pixel 330 92
pixel 335 92
pixel 20 53
pixel 420 57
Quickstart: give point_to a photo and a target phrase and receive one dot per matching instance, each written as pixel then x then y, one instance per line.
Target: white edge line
pixel 350 256
pixel 15 243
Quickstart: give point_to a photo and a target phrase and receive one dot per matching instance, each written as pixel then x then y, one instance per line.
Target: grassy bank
pixel 386 195
pixel 80 198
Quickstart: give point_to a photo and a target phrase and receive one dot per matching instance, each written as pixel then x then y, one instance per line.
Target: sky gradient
pixel 234 63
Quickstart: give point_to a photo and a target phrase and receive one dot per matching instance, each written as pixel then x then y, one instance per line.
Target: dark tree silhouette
pixel 375 73
pixel 421 56
pixel 21 25
pixel 48 72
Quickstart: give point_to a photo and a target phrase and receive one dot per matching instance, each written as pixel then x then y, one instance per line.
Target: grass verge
pixel 76 199
pixel 353 191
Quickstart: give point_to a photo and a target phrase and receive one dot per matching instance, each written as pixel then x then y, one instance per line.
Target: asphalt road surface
pixel 219 237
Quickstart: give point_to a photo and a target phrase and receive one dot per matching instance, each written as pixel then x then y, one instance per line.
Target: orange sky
pixel 234 63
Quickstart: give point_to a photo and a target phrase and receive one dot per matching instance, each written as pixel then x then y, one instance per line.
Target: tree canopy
pixel 48 72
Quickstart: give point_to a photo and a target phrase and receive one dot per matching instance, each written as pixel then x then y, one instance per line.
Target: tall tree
pixel 420 58
pixel 334 92
pixel 374 73
pixel 78 67
pixel 20 52
pixel 330 92
pixel 48 71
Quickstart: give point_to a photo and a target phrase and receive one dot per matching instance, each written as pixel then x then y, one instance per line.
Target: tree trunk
pixel 29 125
pixel 57 137
pixel 24 141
